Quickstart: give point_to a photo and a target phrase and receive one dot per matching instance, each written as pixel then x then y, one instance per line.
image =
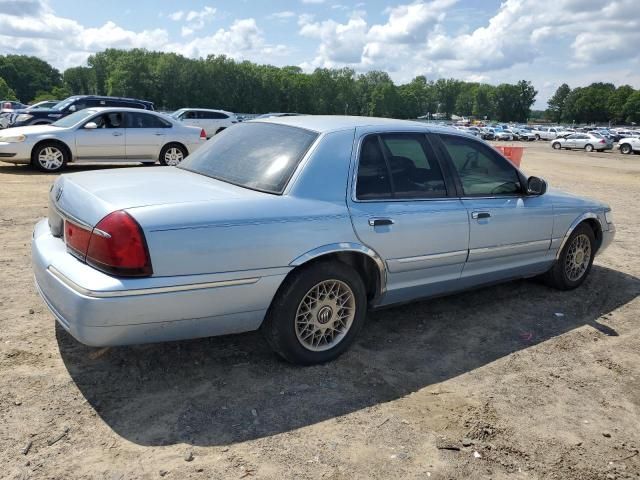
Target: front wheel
pixel 588 147
pixel 317 313
pixel 625 148
pixel 172 155
pixel 556 145
pixel 575 260
pixel 49 157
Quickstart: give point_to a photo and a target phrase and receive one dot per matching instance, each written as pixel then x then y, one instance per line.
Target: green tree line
pixel 172 81
pixel 596 103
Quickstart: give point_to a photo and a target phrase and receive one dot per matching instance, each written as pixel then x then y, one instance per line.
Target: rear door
pixel 403 206
pixel 105 143
pixel 510 231
pixel 145 135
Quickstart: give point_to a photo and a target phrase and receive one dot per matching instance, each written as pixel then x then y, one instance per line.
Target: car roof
pixel 203 109
pixel 332 123
pixel 121 109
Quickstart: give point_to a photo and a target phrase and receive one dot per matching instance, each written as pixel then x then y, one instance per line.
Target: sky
pixel 549 42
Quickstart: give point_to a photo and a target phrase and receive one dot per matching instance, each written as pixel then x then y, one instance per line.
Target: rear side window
pixel 482 171
pixel 401 166
pixel 373 175
pixel 255 155
pixel 213 115
pixel 144 120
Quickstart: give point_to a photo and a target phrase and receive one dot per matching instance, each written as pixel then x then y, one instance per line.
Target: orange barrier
pixel 512 153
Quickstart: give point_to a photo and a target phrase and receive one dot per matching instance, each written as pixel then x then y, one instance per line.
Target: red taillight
pixel 203 134
pixel 116 245
pixel 602 141
pixel 77 239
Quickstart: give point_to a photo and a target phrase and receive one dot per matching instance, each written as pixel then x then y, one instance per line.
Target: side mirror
pixel 72 108
pixel 536 186
pixel 91 126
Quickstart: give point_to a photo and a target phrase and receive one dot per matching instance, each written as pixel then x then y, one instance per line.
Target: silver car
pixel 586 141
pixel 101 134
pixel 297 226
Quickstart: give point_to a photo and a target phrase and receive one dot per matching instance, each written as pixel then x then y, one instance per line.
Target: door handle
pixel 479 215
pixel 379 222
pixel 116 134
pixel 159 134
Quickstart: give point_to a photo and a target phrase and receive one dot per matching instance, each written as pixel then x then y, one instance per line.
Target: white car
pixel 629 145
pixel 101 134
pixel 211 121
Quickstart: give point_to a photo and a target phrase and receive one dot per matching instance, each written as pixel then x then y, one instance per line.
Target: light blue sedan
pixel 297 226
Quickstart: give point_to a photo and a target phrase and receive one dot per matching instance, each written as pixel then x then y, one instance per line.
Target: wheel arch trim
pixel 574 224
pixel 346 247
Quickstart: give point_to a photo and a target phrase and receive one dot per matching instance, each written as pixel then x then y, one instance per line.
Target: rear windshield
pixel 260 156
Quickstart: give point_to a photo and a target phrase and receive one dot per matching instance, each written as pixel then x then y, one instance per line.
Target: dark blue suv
pixel 21 118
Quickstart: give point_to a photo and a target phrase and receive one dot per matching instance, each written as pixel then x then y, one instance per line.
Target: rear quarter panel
pixel 259 230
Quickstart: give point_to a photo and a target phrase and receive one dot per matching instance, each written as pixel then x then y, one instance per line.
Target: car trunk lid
pixel 87 197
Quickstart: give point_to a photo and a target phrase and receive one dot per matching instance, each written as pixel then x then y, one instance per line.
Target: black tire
pixel 558 277
pixel 58 156
pixel 626 148
pixel 537 137
pixel 556 145
pixel 279 326
pixel 163 158
pixel 588 147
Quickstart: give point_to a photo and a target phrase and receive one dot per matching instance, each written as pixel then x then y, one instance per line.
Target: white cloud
pixel 193 20
pixel 243 39
pixel 37 30
pixel 282 15
pixel 313 1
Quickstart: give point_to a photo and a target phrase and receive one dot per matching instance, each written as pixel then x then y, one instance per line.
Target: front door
pixel 104 143
pixel 510 231
pixel 405 208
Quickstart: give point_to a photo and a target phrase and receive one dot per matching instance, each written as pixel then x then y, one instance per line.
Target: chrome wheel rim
pixel 173 156
pixel 325 315
pixel 578 257
pixel 50 158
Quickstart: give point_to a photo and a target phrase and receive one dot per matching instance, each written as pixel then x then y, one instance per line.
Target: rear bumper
pixel 99 310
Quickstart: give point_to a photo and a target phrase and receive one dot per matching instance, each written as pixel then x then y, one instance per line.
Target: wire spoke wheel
pixel 173 156
pixel 325 315
pixel 578 257
pixel 50 158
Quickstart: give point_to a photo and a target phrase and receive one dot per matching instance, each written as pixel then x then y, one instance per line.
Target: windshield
pixel 73 119
pixel 260 156
pixel 63 104
pixel 176 114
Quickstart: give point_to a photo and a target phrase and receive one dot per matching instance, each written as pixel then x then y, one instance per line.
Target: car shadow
pixel 70 168
pixel 217 391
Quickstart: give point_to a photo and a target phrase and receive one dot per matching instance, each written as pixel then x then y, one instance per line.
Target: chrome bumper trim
pixel 146 291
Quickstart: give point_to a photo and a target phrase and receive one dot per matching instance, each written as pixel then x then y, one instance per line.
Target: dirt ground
pixel 494 383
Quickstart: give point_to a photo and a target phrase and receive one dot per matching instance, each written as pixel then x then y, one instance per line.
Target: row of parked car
pixel 96 128
pixel 589 139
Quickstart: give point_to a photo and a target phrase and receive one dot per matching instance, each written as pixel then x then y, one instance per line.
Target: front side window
pixel 482 171
pixel 109 120
pixel 255 155
pixel 400 166
pixel 144 120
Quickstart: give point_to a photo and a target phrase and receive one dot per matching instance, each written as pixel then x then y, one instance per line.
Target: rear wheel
pixel 575 260
pixel 49 157
pixel 317 313
pixel 588 147
pixel 625 148
pixel 537 137
pixel 172 154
